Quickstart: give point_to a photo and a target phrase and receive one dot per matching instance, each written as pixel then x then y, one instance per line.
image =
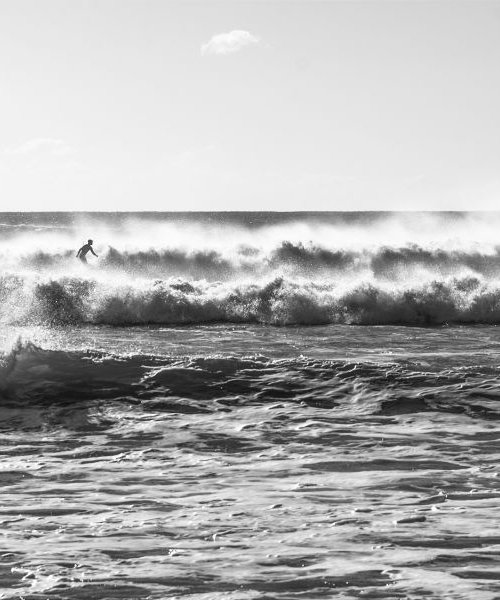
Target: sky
pixel 263 105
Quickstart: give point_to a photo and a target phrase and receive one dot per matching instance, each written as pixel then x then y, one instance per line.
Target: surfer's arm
pixel 78 253
pixel 93 251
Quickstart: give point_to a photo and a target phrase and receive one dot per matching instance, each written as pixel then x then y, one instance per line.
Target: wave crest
pixel 279 301
pixel 291 258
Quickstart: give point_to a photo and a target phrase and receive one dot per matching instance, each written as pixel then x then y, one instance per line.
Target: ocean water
pixel 250 405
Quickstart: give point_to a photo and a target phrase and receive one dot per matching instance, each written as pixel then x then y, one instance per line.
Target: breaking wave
pixel 280 301
pixel 288 257
pixel 337 269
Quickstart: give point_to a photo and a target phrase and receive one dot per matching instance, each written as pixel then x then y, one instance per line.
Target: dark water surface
pixel 250 462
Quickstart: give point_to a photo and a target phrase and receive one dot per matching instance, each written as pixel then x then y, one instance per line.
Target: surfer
pixel 81 254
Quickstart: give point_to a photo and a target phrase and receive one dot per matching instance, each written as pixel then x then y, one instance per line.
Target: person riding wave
pixel 82 253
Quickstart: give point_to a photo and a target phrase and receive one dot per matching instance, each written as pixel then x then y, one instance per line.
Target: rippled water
pixel 235 462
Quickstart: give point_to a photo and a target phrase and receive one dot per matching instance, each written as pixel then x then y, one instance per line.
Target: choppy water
pixel 242 460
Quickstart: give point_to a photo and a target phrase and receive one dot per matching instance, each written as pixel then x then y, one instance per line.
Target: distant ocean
pixel 250 405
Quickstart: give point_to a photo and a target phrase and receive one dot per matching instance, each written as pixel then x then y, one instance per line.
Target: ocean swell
pixel 32 377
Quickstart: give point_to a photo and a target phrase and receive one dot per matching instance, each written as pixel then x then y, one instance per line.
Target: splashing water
pixel 177 271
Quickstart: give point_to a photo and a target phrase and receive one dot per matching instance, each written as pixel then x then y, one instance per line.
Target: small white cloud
pixel 48 146
pixel 228 43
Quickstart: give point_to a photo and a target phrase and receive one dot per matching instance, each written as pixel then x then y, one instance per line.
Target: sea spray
pixel 36 300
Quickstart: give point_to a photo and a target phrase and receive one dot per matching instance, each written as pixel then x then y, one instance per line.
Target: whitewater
pixel 250 405
pixel 182 271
